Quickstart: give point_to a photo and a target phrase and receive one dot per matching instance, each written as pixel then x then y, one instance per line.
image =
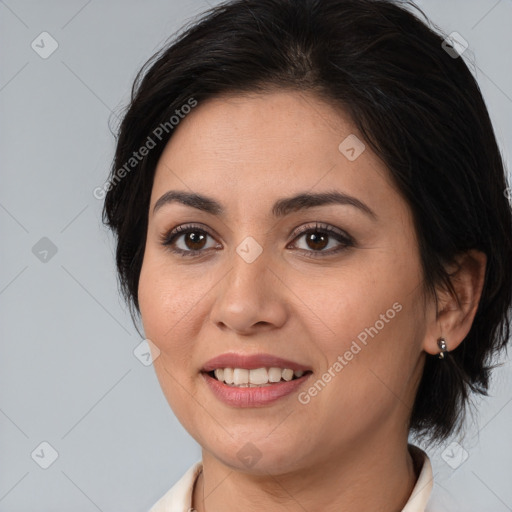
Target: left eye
pixel 320 237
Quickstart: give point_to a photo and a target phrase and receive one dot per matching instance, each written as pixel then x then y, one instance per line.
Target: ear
pixel 455 314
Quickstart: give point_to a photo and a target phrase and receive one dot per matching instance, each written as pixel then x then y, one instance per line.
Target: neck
pixel 371 476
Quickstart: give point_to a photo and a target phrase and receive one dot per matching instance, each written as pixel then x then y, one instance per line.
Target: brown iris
pixel 317 240
pixel 195 241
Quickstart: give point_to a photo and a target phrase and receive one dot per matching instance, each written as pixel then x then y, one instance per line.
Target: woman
pixel 311 221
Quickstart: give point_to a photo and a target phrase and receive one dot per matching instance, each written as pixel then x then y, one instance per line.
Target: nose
pixel 250 298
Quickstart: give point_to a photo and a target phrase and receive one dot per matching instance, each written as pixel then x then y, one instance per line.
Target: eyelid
pixel 320 226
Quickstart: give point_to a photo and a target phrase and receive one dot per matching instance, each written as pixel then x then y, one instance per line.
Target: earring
pixel 441 343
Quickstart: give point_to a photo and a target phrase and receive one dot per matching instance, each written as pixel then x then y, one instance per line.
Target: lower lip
pixel 252 397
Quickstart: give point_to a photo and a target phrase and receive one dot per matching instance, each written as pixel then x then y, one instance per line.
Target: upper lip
pixel 251 362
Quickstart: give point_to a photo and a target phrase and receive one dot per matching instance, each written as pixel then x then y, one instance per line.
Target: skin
pixel 347 448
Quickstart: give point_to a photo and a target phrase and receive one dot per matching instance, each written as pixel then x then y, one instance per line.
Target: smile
pixel 258 377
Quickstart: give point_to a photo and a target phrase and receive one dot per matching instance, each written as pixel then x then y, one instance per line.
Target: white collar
pixel 179 497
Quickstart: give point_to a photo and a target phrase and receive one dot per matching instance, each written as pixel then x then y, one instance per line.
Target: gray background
pixel 68 374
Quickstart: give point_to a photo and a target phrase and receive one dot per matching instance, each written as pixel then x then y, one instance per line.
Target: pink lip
pixel 251 362
pixel 252 397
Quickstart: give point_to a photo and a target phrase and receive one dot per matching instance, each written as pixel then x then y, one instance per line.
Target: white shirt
pixel 179 497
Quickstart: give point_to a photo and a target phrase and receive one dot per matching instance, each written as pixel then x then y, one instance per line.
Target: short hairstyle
pixel 416 104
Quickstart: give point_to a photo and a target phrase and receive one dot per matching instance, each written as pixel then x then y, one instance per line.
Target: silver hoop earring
pixel 441 343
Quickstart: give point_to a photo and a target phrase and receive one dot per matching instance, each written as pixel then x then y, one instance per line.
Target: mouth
pixel 255 377
pixel 255 387
pixel 253 380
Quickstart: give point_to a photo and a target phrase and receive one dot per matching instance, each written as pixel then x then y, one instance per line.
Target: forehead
pixel 261 145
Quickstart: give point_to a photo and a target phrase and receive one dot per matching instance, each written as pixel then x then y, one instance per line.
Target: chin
pixel 258 454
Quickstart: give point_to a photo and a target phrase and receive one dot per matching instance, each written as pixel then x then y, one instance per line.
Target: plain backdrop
pixel 73 394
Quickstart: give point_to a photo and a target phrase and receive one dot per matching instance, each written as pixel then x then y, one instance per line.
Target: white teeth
pixel 242 377
pixel 274 374
pixel 228 375
pixel 287 374
pixel 258 376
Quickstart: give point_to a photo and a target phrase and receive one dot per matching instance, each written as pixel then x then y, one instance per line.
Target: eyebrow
pixel 281 207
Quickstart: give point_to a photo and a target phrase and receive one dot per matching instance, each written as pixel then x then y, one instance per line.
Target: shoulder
pixel 420 496
pixel 179 497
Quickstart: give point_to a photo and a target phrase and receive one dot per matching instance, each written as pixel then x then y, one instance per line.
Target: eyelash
pixel 167 239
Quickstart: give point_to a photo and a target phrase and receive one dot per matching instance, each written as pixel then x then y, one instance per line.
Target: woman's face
pixel 346 306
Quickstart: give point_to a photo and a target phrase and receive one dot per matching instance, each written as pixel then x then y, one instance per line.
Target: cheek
pixel 375 323
pixel 349 301
pixel 168 304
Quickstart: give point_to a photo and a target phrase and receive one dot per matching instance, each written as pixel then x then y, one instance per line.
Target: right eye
pixel 192 238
